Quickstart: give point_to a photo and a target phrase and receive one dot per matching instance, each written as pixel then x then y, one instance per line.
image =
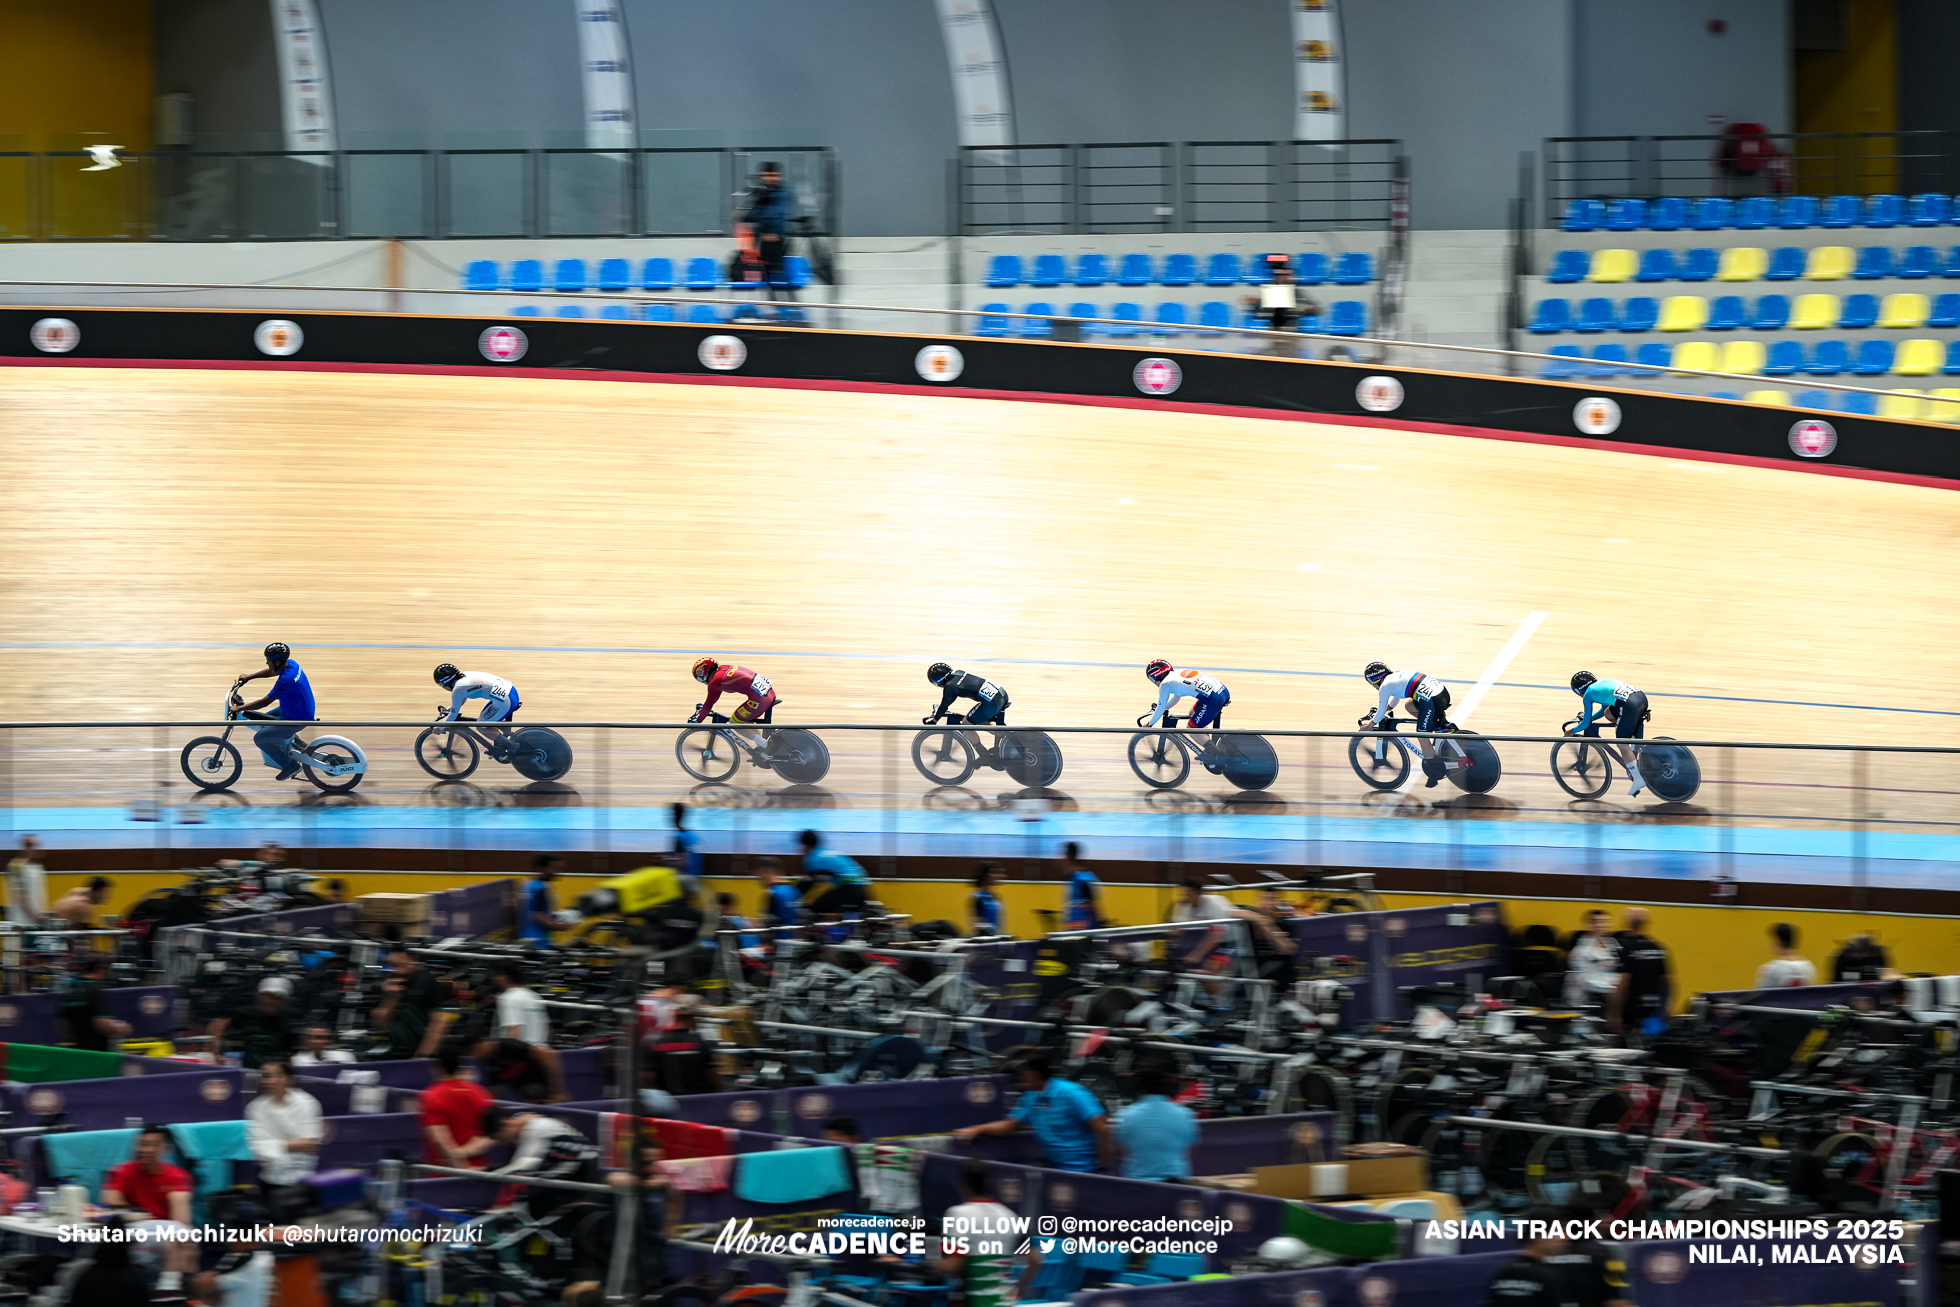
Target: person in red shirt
pixel 759 696
pixel 452 1114
pixel 157 1190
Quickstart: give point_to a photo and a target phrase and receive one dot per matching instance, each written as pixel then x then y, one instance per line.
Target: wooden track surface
pixel 143 508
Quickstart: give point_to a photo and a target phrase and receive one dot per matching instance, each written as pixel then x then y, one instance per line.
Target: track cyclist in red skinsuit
pixel 759 696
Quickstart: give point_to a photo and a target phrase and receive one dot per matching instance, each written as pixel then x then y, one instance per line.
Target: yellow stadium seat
pixel 1781 398
pixel 1742 356
pixel 1742 263
pixel 1685 313
pixel 1828 263
pixel 1696 356
pixel 1944 406
pixel 1611 265
pixel 1814 311
pixel 1919 358
pixel 1901 404
pixel 1904 310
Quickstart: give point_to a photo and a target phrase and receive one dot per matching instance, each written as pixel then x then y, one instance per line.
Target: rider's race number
pixel 759 686
pixel 988 689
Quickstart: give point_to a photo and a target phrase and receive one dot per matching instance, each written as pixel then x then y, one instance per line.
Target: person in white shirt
pixel 1593 963
pixel 242 1279
pixel 501 699
pixel 1788 968
pixel 316 1049
pixel 27 885
pixel 546 1148
pixel 986 1269
pixel 1215 946
pixel 520 1012
pixel 282 1127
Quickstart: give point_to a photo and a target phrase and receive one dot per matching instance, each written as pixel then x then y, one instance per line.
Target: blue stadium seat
pixel 1796 212
pixel 1655 265
pixel 1667 214
pixel 1310 269
pixel 1554 315
pixel 1570 265
pixel 1595 314
pixel 1258 272
pixel 1813 399
pixel 525 311
pixel 1356 268
pixel 615 275
pixel 1049 270
pixel 1755 213
pixel 1946 312
pixel 1772 313
pixel 1584 215
pixel 480 274
pixel 704 314
pixel 1566 362
pixel 702 274
pixel 657 274
pixel 1084 309
pixel 990 325
pixel 1874 357
pixel 1346 318
pixel 1626 215
pixel 1609 360
pixel 569 311
pixel 1918 261
pixel 1252 320
pixel 657 313
pixel 1091 270
pixel 1038 326
pixel 1712 214
pixel 1874 262
pixel 1699 264
pixel 1126 313
pixel 1640 314
pixel 1171 319
pixel 1857 402
pixel 1135 270
pixel 1885 210
pixel 1928 210
pixel 1725 313
pixel 568 276
pixel 797 269
pixel 1860 312
pixel 1222 270
pixel 1003 270
pixel 1654 354
pixel 1952 358
pixel 1722 394
pixel 1180 269
pixel 1951 267
pixel 1786 262
pixel 1829 358
pixel 1212 316
pixel 1841 211
pixel 616 312
pixel 1785 359
pixel 527 275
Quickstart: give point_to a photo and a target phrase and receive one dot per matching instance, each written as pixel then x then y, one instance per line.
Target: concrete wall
pixel 1654 68
pixel 220 52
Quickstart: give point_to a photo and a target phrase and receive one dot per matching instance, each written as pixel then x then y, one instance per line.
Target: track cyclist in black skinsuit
pixel 990 701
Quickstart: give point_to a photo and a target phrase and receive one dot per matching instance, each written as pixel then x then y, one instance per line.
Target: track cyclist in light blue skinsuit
pixel 1622 705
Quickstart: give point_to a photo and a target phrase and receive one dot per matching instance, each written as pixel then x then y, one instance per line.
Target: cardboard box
pixel 386 909
pixel 1357 1178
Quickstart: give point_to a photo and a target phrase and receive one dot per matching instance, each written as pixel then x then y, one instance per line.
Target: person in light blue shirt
pixel 1069 1123
pixel 832 882
pixel 294 695
pixel 1155 1134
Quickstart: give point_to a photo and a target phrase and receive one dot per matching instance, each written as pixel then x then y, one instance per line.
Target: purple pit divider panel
pixel 1007 969
pixel 1813 998
pixel 212 1094
pixel 337 1099
pixel 31 1019
pixel 475 910
pixel 1327 1287
pixel 897 1108
pixel 584 1070
pixel 326 918
pixel 1233 1145
pixel 150 1010
pixel 1434 1281
pixel 362 1141
pixel 452 1194
pixel 1421 946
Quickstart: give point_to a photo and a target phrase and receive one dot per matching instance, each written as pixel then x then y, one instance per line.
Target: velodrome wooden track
pixel 1055 546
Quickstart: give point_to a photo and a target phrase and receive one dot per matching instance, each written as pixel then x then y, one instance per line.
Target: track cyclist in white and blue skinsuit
pixel 1175 683
pixel 1622 705
pixel 500 695
pixel 1428 697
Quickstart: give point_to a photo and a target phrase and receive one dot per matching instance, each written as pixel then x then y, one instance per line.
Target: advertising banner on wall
pixel 605 74
pixel 1319 87
pixel 305 95
pixel 982 96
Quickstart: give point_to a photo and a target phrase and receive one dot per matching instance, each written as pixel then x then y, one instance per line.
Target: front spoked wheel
pixel 1582 769
pixel 1380 760
pixel 708 753
pixel 1159 759
pixel 447 755
pixel 211 763
pixel 943 757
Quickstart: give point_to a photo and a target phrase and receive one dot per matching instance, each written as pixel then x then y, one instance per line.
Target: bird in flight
pixel 104 156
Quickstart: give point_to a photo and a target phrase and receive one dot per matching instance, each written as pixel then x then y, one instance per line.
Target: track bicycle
pixel 1584 766
pixel 452 751
pixel 1383 759
pixel 1162 758
pixel 948 757
pixel 713 753
pixel 212 762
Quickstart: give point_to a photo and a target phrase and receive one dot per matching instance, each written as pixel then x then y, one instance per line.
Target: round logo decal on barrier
pixel 278 337
pixel 1010 1189
pixel 503 344
pixel 1487 915
pixel 1157 376
pixel 1306 1133
pixel 940 363
pixel 1309 1298
pixel 722 353
pixel 1191 1209
pixel 1395 928
pixel 812 1106
pixel 9 1015
pixel 1378 394
pixel 44 1102
pixel 1239 1214
pixel 1357 933
pixel 214 1090
pixel 1596 415
pixel 151 1005
pixel 980 1091
pixel 1061 1196
pixel 1667 1268
pixel 54 335
pixel 746 1111
pixel 1813 438
pixel 1376 1291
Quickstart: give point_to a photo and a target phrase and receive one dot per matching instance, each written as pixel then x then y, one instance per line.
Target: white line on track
pixel 1511 649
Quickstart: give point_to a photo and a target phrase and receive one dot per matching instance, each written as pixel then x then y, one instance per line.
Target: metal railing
pixel 266 195
pixel 1694 167
pixel 1162 186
